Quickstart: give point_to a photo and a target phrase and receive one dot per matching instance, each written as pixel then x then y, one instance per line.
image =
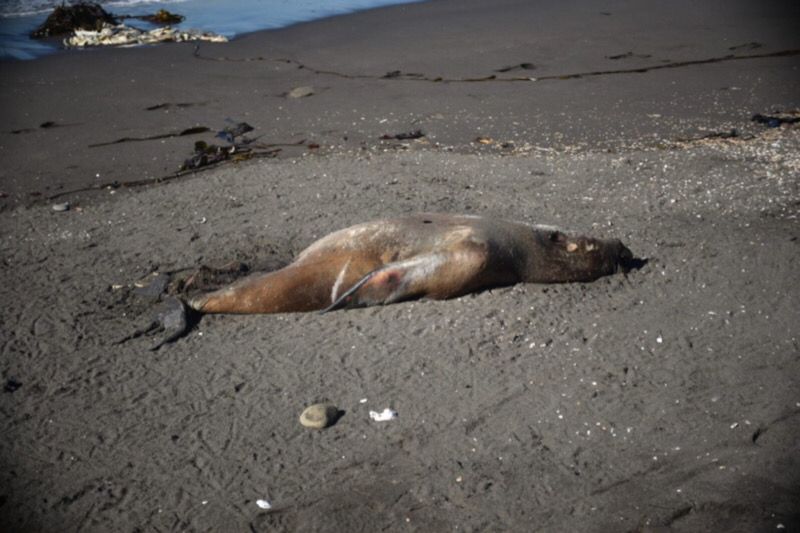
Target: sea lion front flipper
pixel 437 275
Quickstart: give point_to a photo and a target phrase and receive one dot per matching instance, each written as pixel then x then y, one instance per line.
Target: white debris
pixel 264 504
pixel 122 35
pixel 383 416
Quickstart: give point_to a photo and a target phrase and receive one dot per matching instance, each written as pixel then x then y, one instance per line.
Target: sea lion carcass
pixel 424 255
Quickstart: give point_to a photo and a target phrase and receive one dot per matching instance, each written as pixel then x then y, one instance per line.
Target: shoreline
pixel 347 59
pixel 210 19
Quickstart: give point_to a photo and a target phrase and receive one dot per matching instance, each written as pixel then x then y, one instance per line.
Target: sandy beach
pixel 665 399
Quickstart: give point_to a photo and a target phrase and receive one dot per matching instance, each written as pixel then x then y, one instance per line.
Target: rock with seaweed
pixel 162 16
pixel 66 19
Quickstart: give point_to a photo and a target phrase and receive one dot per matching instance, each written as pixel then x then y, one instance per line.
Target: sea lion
pixel 424 255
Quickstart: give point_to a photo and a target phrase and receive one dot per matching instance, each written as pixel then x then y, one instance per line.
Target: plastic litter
pixel 264 504
pixel 383 416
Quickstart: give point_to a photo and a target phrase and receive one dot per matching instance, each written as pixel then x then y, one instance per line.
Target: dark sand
pixel 664 400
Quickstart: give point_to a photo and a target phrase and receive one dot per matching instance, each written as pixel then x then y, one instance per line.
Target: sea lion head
pixel 562 257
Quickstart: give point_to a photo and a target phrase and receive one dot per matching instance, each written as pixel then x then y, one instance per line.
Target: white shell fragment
pixel 122 35
pixel 383 416
pixel 264 504
pixel 61 207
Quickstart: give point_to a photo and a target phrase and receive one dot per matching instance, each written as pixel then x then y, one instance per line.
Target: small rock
pixel 61 207
pixel 319 416
pixel 300 92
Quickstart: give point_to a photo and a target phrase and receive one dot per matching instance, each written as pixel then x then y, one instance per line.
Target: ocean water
pixel 227 17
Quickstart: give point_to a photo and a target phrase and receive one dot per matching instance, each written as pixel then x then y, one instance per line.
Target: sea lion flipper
pixel 174 321
pixel 346 299
pixel 437 275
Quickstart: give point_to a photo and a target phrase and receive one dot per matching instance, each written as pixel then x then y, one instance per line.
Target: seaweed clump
pixel 67 18
pixel 162 16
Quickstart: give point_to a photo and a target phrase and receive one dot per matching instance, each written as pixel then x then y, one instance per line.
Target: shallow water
pixel 230 18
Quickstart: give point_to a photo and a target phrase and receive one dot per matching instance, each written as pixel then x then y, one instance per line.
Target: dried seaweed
pixel 188 131
pixel 774 121
pixel 416 134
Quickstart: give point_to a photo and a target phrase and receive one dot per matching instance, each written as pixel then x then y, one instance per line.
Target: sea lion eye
pixel 557 236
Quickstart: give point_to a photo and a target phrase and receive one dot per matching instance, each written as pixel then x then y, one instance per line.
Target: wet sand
pixel 661 400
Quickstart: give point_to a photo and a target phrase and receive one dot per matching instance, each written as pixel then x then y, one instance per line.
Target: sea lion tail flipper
pixel 176 319
pixel 437 274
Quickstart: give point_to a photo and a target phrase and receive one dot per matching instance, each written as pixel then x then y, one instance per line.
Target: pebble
pixel 61 207
pixel 300 92
pixel 319 415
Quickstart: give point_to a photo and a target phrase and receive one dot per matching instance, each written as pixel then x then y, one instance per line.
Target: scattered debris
pixel 715 135
pixel 183 133
pixel 416 134
pixel 300 92
pixel 320 416
pixel 383 416
pixel 264 504
pixel 230 133
pixel 520 66
pixel 209 154
pixel 162 16
pixel 44 125
pixel 122 35
pixel 168 105
pixel 776 120
pixel 484 140
pixel 61 207
pixel 628 55
pixel 68 18
pixel 397 74
pixel 400 74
